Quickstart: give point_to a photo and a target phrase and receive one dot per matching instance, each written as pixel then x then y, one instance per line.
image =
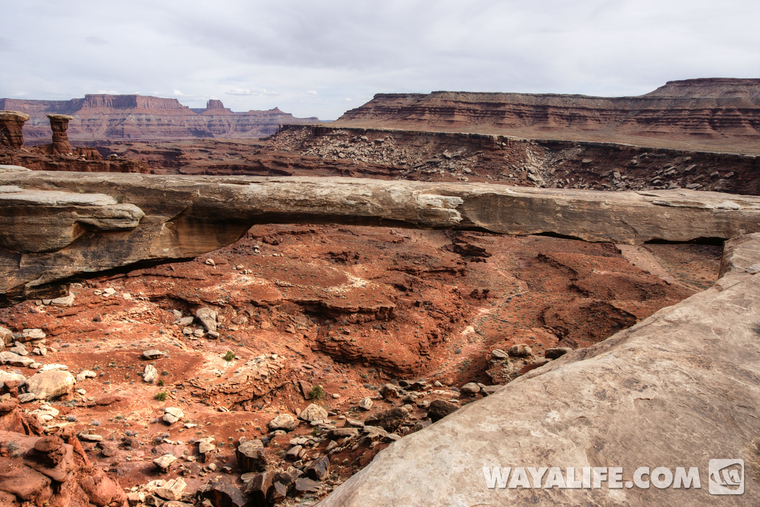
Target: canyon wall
pixel 101 117
pixel 714 114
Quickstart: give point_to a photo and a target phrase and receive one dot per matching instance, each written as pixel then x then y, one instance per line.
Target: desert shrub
pixel 317 392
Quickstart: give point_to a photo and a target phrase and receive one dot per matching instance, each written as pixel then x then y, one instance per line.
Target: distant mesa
pixel 99 117
pixel 714 114
pixel 215 106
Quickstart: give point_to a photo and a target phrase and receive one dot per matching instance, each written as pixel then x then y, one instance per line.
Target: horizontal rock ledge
pixel 186 216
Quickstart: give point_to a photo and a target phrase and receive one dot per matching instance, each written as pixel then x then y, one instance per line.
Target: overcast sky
pixel 320 58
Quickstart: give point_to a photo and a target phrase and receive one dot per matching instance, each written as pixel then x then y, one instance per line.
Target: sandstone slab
pixel 171 217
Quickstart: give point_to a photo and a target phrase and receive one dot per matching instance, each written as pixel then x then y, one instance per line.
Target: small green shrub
pixel 230 356
pixel 317 392
pixel 161 396
pixel 160 382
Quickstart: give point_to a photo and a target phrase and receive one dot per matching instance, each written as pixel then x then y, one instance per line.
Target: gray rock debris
pixel 207 317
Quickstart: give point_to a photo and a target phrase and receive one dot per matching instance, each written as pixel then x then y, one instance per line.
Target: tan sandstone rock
pixel 170 217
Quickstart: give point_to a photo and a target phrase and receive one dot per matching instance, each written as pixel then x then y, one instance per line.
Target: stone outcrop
pixel 56 225
pixel 101 117
pixel 11 129
pixel 59 123
pixel 676 390
pixel 719 113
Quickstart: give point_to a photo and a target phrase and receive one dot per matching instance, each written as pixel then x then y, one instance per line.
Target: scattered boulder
pixel 365 403
pixel 520 350
pixel 81 376
pixel 339 433
pixel 164 463
pixel 172 489
pixel 305 389
pixel 389 420
pixel 153 354
pixel 306 485
pixel 313 413
pixel 205 448
pixel 284 422
pixel 223 493
pixel 258 488
pixel 554 353
pixel 6 376
pixel 439 409
pixel 150 374
pixel 6 337
pixel 251 456
pixel 207 317
pixel 47 385
pixel 499 354
pixel 172 415
pixel 28 335
pixel 390 391
pixel 7 357
pixel 470 388
pixel 318 469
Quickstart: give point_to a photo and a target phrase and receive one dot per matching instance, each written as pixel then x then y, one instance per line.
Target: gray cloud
pixel 96 41
pixel 258 55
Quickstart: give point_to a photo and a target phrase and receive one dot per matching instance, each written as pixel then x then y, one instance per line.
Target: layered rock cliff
pixel 715 114
pixel 113 117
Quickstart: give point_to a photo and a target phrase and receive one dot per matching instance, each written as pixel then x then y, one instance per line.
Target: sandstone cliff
pixel 715 114
pixel 113 117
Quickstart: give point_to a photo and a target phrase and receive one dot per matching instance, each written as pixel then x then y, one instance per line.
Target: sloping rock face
pixel 722 114
pixel 101 117
pixel 159 218
pixel 662 413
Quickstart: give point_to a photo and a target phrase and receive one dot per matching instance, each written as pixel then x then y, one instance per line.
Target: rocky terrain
pixel 242 336
pixel 116 117
pixel 296 346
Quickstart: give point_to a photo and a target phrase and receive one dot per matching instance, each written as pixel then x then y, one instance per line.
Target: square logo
pixel 726 476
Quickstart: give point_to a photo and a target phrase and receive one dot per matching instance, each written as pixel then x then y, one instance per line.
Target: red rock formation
pixel 59 123
pixel 714 113
pixel 214 106
pixel 99 117
pixel 11 128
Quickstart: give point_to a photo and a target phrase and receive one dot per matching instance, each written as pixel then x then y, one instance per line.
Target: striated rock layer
pixel 58 225
pixel 715 114
pixel 110 117
pixel 678 389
